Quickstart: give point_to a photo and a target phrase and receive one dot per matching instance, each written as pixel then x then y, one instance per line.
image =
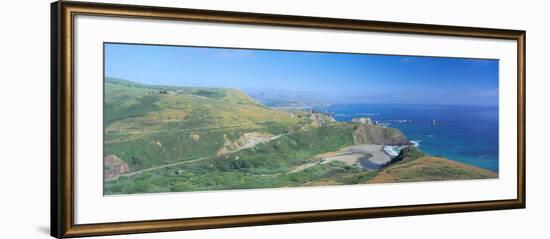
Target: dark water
pixel 467 134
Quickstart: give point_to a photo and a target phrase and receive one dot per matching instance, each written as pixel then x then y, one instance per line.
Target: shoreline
pixel 490 163
pixel 393 151
pixel 365 156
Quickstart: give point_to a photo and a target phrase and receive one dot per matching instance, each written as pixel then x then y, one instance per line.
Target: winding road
pixel 184 130
pixel 195 160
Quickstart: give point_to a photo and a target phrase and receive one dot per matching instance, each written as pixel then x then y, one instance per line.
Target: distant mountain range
pixel 287 98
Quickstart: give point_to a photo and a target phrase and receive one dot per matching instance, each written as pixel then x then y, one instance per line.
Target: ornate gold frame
pixel 62 121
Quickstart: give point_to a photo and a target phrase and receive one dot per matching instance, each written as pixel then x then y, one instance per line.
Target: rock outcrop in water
pixel 373 134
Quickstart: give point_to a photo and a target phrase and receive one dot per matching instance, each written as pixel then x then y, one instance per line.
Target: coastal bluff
pixel 375 134
pixel 412 165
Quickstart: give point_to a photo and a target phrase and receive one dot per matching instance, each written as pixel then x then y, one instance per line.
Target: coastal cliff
pixel 374 134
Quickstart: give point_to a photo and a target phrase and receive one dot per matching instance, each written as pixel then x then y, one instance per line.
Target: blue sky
pixel 336 77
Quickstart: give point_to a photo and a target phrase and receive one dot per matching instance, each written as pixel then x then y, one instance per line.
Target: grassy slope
pixel 414 166
pixel 131 107
pixel 263 166
pixel 136 106
pixel 148 126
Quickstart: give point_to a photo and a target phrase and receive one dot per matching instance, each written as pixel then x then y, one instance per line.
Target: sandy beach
pixel 370 156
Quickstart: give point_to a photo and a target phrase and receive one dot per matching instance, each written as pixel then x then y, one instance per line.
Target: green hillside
pixel 174 139
pixel 412 165
pixel 152 125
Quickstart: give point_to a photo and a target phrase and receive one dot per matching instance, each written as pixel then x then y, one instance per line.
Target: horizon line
pixel 329 104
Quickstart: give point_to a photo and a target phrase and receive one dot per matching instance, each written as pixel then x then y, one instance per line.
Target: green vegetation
pixel 408 154
pixel 147 126
pixel 205 178
pixel 156 149
pixel 139 107
pixel 265 165
pixel 428 168
pixel 173 139
pixel 413 165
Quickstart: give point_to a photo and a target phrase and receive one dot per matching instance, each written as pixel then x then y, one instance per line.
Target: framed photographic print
pixel 173 119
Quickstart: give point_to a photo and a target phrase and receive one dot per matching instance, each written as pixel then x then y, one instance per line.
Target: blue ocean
pixel 467 134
